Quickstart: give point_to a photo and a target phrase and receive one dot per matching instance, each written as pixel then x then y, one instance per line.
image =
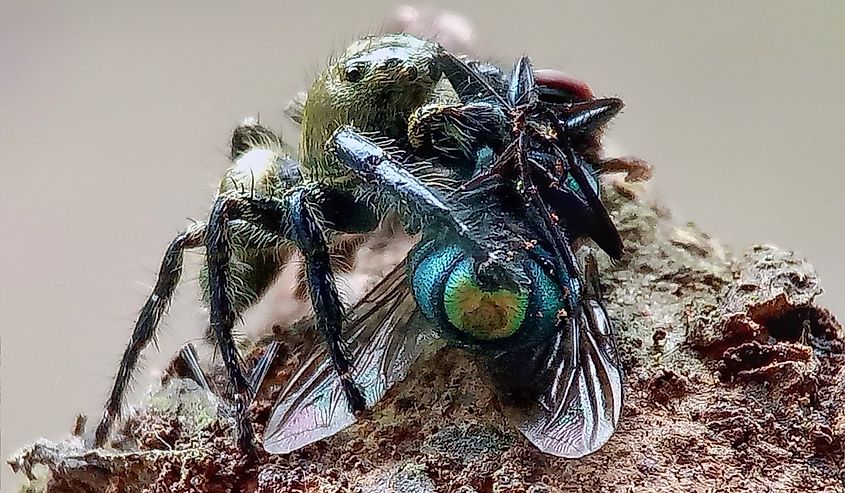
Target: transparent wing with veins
pixel 574 384
pixel 385 336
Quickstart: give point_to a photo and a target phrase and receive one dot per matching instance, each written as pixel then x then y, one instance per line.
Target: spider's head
pixel 389 64
pixel 374 85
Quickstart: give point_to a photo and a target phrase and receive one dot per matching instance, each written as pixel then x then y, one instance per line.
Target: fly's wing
pixel 571 386
pixel 384 336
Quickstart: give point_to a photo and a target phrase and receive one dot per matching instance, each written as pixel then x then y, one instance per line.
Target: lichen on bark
pixel 735 381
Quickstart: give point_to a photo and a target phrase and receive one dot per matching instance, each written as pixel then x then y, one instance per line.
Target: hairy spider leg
pixel 307 233
pixel 148 319
pixel 371 163
pixel 290 217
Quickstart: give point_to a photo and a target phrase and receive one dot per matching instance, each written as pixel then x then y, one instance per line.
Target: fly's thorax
pixel 474 304
pixel 374 85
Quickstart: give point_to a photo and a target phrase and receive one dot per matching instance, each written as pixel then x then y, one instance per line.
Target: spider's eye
pixel 354 73
pixel 434 71
pixel 412 72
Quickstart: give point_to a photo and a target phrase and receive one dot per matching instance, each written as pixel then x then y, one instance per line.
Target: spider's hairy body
pixel 397 75
pixel 375 86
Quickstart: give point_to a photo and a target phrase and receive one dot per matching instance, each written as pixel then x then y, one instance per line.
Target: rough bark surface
pixel 735 381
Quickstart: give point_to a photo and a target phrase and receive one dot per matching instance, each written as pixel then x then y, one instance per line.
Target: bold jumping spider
pixel 494 271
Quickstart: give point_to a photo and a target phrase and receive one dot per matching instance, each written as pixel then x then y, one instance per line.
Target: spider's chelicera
pixel 496 172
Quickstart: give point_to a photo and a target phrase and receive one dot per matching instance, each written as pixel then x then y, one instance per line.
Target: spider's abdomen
pixel 476 312
pixel 260 162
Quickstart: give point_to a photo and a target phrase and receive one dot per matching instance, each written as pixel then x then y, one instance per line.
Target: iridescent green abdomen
pixel 480 314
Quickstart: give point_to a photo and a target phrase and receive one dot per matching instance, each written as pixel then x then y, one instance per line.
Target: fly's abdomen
pixel 478 313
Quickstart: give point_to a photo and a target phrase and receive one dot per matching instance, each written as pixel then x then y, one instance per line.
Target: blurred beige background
pixel 114 123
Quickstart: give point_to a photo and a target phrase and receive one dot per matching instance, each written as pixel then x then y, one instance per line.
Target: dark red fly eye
pixel 559 81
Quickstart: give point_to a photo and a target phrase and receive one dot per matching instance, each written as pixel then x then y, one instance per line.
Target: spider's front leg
pixel 294 217
pixel 454 133
pixel 374 165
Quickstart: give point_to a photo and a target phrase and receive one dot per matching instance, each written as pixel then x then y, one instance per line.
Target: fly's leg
pixel 145 327
pixel 635 169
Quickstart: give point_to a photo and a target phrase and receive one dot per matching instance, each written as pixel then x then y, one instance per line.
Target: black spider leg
pixel 307 233
pixel 293 219
pixel 222 318
pixel 372 164
pixel 145 326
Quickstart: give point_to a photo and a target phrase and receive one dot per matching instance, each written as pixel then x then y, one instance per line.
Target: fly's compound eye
pixel 354 73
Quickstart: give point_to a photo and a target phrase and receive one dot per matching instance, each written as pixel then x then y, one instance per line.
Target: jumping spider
pixel 368 123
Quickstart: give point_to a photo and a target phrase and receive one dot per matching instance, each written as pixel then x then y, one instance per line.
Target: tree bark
pixel 735 381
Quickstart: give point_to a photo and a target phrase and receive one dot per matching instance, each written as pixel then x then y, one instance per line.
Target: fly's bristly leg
pixel 148 319
pixel 557 236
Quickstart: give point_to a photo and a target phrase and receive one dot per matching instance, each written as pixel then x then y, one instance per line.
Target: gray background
pixel 115 122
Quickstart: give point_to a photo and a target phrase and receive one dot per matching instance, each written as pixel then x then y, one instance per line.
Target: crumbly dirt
pixel 735 381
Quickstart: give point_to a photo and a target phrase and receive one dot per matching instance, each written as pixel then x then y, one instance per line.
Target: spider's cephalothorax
pixel 487 274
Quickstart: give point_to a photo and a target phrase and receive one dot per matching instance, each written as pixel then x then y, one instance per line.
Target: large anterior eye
pixel 354 73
